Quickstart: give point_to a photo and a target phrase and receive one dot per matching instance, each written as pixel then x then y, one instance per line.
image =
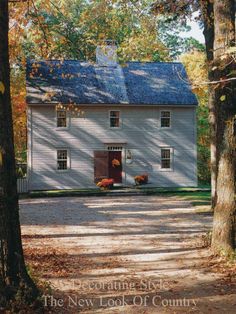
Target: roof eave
pixel 113 104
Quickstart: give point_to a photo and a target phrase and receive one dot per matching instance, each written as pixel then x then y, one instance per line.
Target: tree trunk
pixel 225 114
pixel 13 274
pixel 208 19
pixel 214 162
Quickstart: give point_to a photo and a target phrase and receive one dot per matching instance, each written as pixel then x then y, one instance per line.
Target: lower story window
pixel 166 162
pixel 62 159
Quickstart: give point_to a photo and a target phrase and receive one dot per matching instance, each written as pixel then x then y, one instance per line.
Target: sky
pixel 195 32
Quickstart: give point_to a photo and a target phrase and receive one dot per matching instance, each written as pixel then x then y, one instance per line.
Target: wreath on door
pixel 115 163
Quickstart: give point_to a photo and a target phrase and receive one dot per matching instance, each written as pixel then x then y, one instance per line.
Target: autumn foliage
pixel 71 29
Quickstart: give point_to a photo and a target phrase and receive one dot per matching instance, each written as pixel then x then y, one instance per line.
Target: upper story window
pixel 166 158
pixel 114 119
pixel 61 118
pixel 62 159
pixel 165 119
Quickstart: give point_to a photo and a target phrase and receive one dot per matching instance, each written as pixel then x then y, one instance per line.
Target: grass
pixel 58 193
pixel 198 196
pixel 201 200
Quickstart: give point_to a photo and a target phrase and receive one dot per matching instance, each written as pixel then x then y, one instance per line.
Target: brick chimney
pixel 106 54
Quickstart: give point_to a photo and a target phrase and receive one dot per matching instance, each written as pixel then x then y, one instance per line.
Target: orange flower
pixel 141 179
pixel 106 183
pixel 115 163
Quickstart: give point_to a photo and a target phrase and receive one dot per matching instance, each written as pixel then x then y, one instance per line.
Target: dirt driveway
pixel 132 254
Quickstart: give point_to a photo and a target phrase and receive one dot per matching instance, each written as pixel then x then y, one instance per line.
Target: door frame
pixel 119 147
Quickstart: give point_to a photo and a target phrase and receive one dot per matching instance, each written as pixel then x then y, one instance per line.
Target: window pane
pixel 62 165
pixel 62 154
pixel 61 114
pixel 165 122
pixel 114 123
pixel 165 153
pixel 61 123
pixel 165 164
pixel 165 114
pixel 115 114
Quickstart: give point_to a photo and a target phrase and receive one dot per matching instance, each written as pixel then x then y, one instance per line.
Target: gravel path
pixel 123 255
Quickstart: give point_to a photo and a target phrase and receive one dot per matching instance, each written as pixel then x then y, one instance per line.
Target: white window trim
pixel 171 159
pixel 63 128
pixel 166 127
pixel 120 120
pixel 68 160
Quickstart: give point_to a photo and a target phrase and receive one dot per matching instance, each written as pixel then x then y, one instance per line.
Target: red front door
pixel 114 167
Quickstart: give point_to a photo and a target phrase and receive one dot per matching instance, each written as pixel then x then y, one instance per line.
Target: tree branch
pixel 41 26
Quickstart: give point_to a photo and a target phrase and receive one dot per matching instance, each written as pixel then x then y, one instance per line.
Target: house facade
pixel 103 120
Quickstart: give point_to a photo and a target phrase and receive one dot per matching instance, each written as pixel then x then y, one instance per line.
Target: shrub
pixel 106 184
pixel 141 179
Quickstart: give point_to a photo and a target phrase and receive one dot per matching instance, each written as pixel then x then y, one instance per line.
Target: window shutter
pixel 100 165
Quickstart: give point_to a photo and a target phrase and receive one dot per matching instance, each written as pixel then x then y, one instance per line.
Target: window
pixel 114 119
pixel 115 148
pixel 166 158
pixel 61 119
pixel 165 119
pixel 62 159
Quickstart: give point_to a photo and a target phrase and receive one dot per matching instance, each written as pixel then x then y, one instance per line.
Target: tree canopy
pixel 72 29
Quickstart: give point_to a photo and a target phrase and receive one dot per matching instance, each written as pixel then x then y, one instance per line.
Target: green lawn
pixel 198 196
pixel 201 200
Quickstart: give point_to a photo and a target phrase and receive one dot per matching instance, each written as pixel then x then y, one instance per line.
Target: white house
pixel 141 114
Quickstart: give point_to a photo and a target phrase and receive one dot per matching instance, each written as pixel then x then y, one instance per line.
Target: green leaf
pixel 222 98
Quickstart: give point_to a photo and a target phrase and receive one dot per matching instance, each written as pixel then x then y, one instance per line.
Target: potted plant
pixel 115 163
pixel 141 179
pixel 106 184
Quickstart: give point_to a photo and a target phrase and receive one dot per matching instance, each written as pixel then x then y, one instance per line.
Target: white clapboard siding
pixel 22 185
pixel 140 132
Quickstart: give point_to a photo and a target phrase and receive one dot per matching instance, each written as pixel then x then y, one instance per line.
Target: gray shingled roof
pixel 154 83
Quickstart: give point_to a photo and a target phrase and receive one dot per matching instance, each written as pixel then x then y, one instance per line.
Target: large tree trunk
pixel 225 114
pixel 13 272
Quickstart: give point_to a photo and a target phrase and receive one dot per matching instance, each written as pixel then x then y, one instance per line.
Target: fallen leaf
pixel 2 87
